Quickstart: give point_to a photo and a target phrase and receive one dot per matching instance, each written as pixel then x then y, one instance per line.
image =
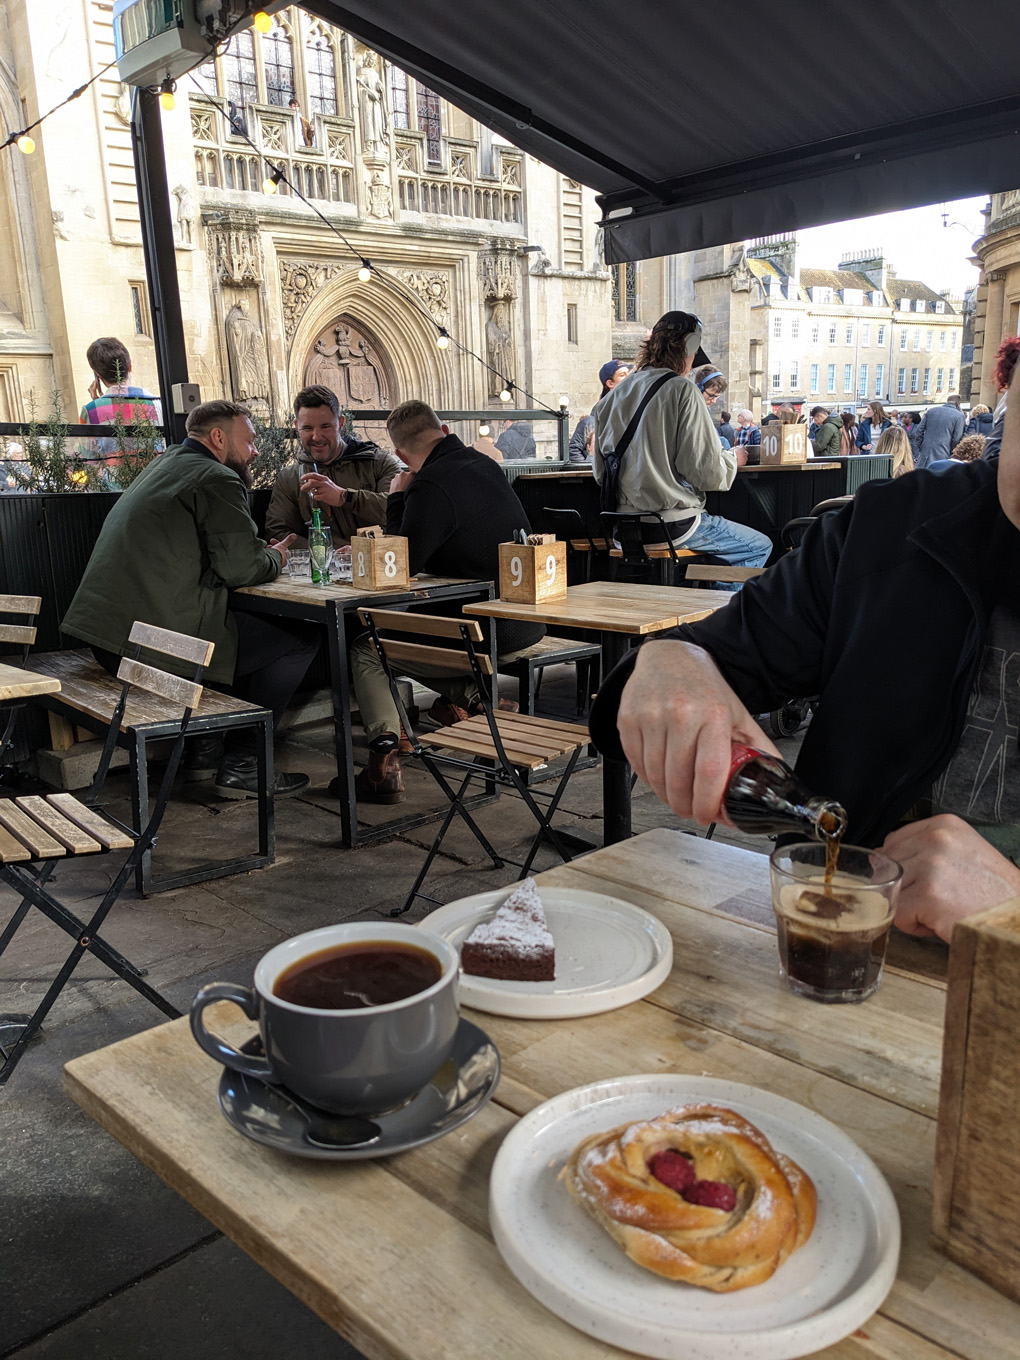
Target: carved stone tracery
pixel 300 281
pixel 235 246
pixel 432 290
pixel 348 360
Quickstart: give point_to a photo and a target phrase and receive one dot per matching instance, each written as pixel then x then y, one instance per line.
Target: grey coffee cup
pixel 347 1061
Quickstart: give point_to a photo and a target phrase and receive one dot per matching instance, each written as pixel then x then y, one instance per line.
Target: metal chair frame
pixel 29 879
pixel 499 769
pixel 28 606
pixel 626 529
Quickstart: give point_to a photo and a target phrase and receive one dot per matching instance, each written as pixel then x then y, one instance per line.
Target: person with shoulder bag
pixel 657 452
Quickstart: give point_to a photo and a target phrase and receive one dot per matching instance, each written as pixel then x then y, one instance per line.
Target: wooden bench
pixel 86 702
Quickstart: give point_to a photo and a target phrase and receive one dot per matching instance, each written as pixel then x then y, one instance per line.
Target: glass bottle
pixel 318 548
pixel 765 797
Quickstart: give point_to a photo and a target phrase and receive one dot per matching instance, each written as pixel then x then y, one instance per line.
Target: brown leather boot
pixel 382 780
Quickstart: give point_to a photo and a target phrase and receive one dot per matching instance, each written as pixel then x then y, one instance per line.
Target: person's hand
pixel 741 452
pixel 323 489
pixel 281 545
pixel 677 720
pixel 95 390
pixel 949 872
pixel 402 481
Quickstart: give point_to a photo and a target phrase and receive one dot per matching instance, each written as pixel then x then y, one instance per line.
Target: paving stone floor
pixel 99 1260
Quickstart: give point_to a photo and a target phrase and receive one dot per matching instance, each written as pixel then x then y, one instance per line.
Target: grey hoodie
pixel 675 457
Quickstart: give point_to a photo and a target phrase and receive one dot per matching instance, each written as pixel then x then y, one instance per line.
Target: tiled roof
pixel 835 278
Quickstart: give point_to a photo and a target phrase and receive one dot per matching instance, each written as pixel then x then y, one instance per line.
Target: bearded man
pixel 177 541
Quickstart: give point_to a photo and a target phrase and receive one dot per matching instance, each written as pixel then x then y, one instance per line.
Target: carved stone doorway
pixel 348 359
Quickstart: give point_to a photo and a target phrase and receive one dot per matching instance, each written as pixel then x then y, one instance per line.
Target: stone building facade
pixel 997 303
pixel 441 207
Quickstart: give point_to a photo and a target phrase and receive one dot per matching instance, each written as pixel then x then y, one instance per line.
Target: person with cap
pixel 611 374
pixel 674 457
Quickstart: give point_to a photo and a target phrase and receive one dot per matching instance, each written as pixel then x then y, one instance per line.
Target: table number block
pixel 532 572
pixel 379 562
pixel 783 444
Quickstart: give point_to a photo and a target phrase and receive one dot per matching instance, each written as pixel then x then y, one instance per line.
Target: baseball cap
pixel 609 369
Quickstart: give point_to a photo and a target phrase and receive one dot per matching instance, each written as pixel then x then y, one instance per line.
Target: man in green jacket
pixel 828 429
pixel 179 539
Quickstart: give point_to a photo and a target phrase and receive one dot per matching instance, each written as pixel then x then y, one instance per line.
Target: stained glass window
pixel 399 99
pixel 430 122
pixel 278 59
pixel 239 69
pixel 320 65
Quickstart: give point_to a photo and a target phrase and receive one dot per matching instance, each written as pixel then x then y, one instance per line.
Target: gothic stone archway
pixel 348 359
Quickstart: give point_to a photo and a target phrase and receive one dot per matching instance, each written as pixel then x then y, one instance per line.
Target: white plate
pixel 820 1294
pixel 608 953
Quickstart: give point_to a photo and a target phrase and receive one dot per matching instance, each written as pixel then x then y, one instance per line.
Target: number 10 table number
pixel 532 572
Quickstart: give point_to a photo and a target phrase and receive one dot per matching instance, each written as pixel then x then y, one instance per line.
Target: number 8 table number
pixel 531 572
pixel 379 563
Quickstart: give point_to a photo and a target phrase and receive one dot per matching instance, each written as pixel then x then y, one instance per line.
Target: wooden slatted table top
pixel 613 607
pixel 17 683
pixel 809 466
pixel 397 1254
pixel 300 590
pixel 85 687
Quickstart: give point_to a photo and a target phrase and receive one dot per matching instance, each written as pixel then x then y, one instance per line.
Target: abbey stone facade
pixel 441 207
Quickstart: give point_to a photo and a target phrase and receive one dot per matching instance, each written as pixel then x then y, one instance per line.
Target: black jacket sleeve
pixel 424 516
pixel 770 642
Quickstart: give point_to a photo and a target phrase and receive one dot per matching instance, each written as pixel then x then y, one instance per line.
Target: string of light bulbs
pixel 21 138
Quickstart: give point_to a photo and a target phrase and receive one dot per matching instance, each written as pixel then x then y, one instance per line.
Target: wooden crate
pixel 977 1152
pixel 783 443
pixel 379 561
pixel 530 573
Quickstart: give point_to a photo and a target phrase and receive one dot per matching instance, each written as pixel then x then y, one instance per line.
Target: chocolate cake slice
pixel 515 945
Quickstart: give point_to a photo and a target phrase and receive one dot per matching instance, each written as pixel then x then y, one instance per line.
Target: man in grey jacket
pixel 675 457
pixel 941 430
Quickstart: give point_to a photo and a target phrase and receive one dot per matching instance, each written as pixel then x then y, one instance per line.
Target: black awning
pixel 699 125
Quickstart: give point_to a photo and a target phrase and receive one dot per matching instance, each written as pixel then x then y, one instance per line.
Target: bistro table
pixel 621 612
pixel 18 683
pixel 297 598
pixel 397 1255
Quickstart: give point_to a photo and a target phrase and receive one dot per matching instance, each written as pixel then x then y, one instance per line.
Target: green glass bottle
pixel 318 547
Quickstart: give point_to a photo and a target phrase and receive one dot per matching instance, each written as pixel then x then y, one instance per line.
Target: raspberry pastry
pixel 697 1194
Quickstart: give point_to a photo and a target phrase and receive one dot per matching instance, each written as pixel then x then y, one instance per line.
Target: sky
pixel 915 242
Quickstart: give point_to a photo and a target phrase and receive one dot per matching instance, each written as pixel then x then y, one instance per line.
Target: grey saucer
pixel 271 1115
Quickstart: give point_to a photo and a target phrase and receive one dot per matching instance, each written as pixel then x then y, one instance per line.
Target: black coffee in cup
pixel 353 976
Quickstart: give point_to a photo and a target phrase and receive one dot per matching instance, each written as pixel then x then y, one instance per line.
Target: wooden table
pixel 18 683
pixel 331 605
pixel 396 1254
pixel 621 612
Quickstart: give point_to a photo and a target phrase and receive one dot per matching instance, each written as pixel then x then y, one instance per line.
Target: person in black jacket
pixel 454 506
pixel 899 612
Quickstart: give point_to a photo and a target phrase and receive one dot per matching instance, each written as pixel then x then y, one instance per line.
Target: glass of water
pixel 299 561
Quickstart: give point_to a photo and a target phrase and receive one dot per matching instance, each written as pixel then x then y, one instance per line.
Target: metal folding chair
pixel 38 833
pixel 491 746
pixel 638 559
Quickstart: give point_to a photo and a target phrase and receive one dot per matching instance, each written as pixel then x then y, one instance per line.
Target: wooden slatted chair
pixel 38 833
pixel 22 606
pixel 491 746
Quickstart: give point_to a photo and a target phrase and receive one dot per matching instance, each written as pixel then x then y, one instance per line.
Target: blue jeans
pixel 734 544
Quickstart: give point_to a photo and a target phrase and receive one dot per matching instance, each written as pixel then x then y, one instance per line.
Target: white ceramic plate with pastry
pixel 608 954
pixel 821 1293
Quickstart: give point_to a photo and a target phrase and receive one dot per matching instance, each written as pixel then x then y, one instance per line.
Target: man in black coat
pixel 454 506
pixel 899 612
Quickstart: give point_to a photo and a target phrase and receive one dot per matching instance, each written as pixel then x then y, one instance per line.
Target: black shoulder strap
pixel 631 429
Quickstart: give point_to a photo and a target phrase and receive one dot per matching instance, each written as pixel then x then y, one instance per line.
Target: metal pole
pixel 160 257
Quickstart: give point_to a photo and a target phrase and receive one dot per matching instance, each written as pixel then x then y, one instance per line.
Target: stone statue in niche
pixel 246 350
pixel 372 96
pixel 185 215
pixel 498 342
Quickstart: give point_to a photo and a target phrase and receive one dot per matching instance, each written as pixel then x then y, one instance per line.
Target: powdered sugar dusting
pixel 519 925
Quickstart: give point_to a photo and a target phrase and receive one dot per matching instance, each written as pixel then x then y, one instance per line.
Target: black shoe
pixel 202 758
pixel 238 777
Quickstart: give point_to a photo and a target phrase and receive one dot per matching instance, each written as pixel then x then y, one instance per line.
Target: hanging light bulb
pixel 25 144
pixel 365 272
pixel 564 403
pixel 506 394
pixel 262 21
pixel 167 102
pixel 272 180
pixel 483 430
pixel 443 341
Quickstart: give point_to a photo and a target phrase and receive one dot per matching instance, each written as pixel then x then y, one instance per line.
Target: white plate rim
pixel 524 1005
pixel 782 1342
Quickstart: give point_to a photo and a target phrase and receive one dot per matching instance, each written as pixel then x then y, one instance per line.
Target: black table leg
pixel 615 773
